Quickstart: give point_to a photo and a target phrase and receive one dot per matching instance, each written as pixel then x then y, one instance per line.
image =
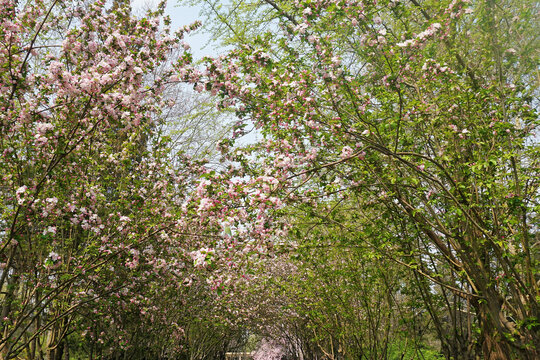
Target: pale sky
pixel 180 16
pixel 183 15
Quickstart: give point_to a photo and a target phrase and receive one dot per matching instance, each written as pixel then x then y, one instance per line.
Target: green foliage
pixel 399 351
pixel 406 130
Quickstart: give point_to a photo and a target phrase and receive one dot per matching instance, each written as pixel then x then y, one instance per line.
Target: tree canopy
pixel 386 209
pixel 411 128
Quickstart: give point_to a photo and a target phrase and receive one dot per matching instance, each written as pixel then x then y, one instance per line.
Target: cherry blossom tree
pixel 95 222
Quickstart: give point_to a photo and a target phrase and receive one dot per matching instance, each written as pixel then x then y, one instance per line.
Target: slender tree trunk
pixel 10 295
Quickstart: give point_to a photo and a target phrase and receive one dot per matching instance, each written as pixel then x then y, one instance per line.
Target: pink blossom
pixel 92 46
pixel 205 204
pixel 346 152
pixel 54 256
pixel 49 230
pixel 56 67
pixel 336 61
pixel 20 194
pixel 42 128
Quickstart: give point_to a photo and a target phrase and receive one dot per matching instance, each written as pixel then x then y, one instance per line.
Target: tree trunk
pixel 499 340
pixel 57 352
pixel 493 346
